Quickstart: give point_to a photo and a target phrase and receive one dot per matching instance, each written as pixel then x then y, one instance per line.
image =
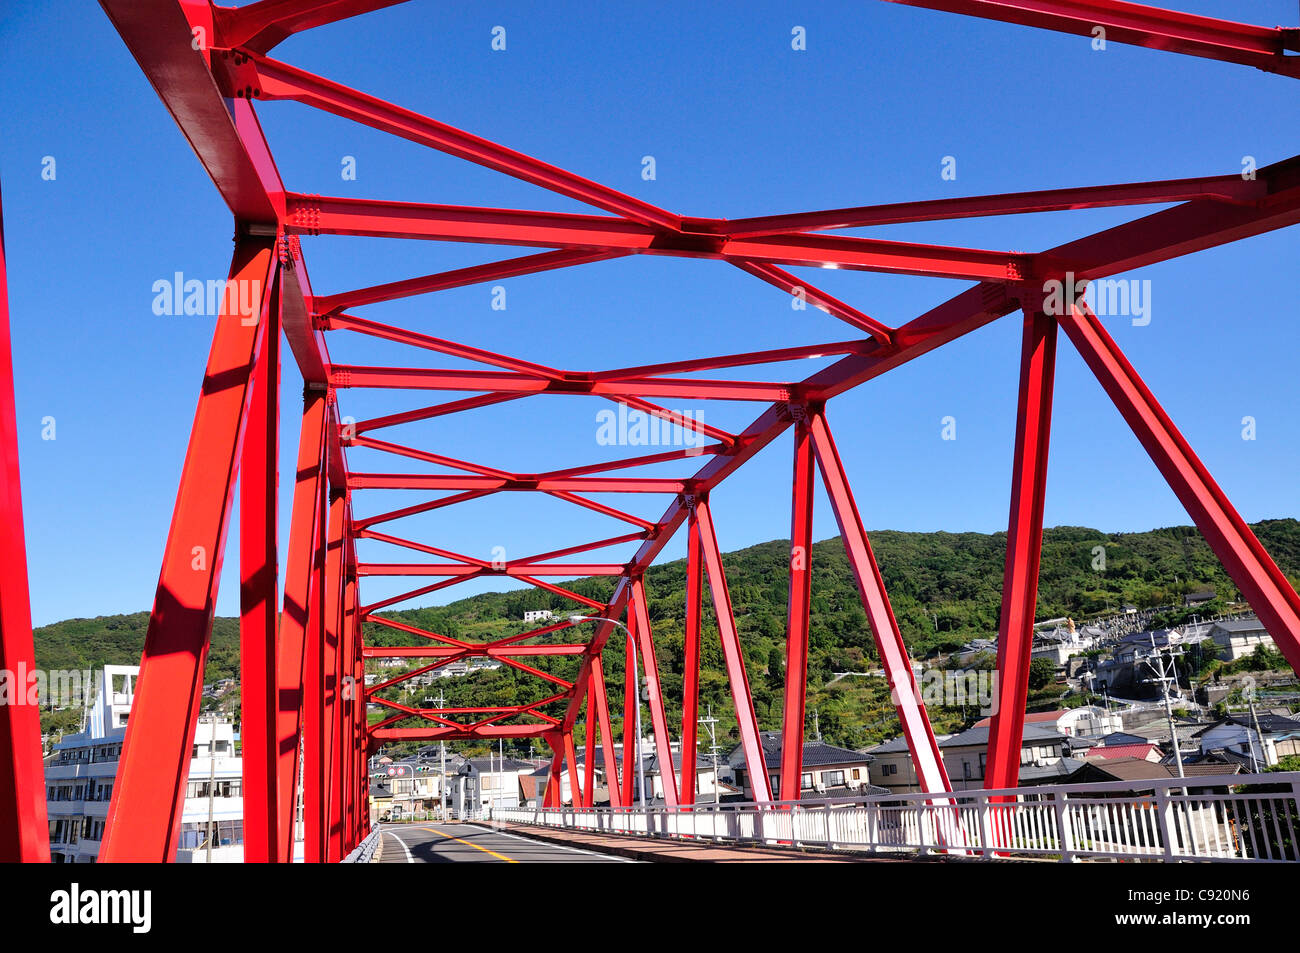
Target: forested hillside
pixel 945 589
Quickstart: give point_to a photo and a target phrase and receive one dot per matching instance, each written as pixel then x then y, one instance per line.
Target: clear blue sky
pixel 739 124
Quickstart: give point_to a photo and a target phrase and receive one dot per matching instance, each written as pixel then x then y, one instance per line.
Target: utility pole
pixel 442 767
pixel 1164 680
pixel 212 777
pixel 1254 720
pixel 710 725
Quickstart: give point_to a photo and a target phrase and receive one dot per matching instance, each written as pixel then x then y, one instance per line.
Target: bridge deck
pixel 675 851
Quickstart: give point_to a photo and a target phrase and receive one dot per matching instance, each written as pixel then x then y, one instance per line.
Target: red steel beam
pixel 1230 189
pixel 928 760
pixel 1024 548
pixel 328 306
pixel 453 569
pixel 598 693
pixel 316 215
pixel 295 617
pixel 24 832
pixel 266 23
pixel 1248 564
pixel 144 816
pixel 259 618
pixel 650 665
pixel 503 382
pixel 1140 25
pixel 796 639
pixel 691 662
pixel 589 752
pixel 485 651
pixel 746 720
pixel 275 80
pixel 437 481
pixel 348 322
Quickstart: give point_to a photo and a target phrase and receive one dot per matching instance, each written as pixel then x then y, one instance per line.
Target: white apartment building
pixel 80 773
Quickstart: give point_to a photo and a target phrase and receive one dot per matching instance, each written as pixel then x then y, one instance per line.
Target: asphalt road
pixel 438 843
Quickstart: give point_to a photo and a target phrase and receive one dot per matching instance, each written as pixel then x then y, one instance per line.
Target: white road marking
pixel 409 858
pixel 539 843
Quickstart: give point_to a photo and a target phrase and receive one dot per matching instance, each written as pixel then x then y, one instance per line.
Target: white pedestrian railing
pixel 1209 818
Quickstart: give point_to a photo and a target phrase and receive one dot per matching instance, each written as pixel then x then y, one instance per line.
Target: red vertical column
pixel 24 829
pixel 347 715
pixel 259 597
pixel 631 701
pixel 691 660
pixel 1243 558
pixel 298 572
pixel 650 665
pixel 601 699
pixel 589 752
pixel 571 760
pixel 746 720
pixel 930 771
pixel 331 657
pixel 144 815
pixel 555 780
pixel 796 639
pixel 1024 548
pixel 315 760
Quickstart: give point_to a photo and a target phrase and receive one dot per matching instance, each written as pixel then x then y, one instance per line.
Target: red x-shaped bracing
pixel 302 664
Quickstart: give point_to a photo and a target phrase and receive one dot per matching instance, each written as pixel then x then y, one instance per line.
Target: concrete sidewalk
pixel 652 850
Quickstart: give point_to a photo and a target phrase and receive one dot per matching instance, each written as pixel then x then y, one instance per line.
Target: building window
pixel 806 782
pixel 833 779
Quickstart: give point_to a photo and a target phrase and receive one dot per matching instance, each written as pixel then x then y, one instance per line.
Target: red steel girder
pixel 265 23
pixel 746 720
pixel 328 306
pixel 24 832
pixel 797 612
pixel 295 618
pixel 276 80
pixel 435 481
pixel 650 665
pixel 931 774
pixel 1134 23
pixel 1231 189
pixel 486 650
pixel 1024 548
pixel 144 816
pixel 691 661
pixel 500 382
pixel 1256 574
pixel 259 618
pixel 598 694
pixel 314 215
pixel 453 569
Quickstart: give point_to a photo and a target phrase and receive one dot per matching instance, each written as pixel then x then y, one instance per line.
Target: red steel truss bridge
pixel 210 65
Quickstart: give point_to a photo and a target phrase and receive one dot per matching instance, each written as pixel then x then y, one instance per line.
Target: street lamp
pixel 640 768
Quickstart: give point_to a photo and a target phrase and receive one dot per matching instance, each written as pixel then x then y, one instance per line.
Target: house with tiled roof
pixel 965 755
pixel 826 768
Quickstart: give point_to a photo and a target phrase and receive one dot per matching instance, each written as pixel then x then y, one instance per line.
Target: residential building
pixel 1236 638
pixel 828 771
pixel 1278 736
pixel 81 771
pixel 965 755
pixel 538 615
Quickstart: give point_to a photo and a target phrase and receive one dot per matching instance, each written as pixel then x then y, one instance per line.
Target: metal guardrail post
pixel 985 806
pixel 1064 833
pixel 1168 823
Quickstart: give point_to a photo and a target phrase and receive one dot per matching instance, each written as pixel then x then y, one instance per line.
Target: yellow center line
pixel 508 860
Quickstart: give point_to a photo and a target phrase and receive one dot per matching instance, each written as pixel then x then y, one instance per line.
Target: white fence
pixel 1242 818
